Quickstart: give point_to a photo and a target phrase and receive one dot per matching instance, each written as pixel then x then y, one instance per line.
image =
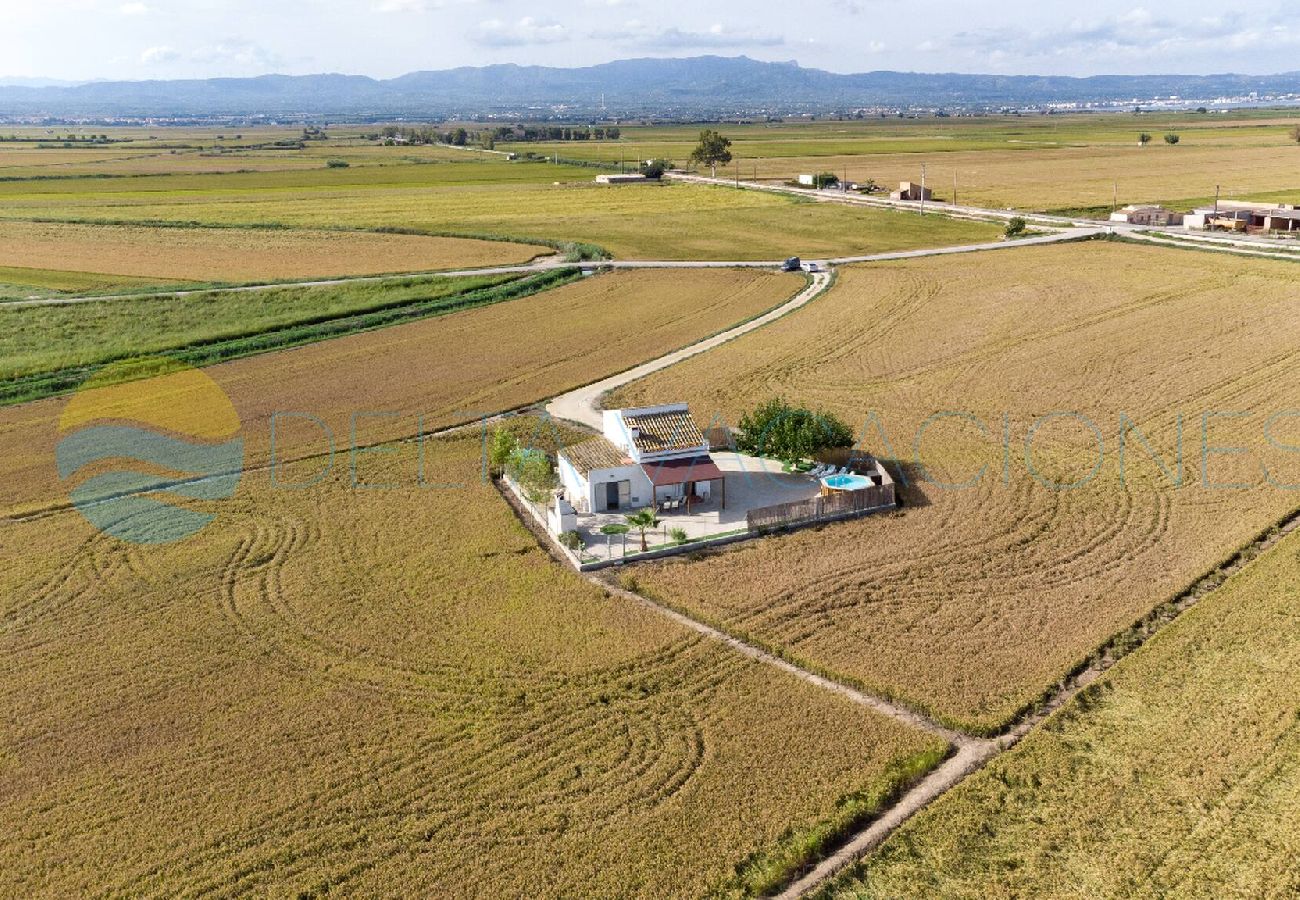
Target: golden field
pixel 1177 775
pixel 237 254
pixel 1067 178
pixel 442 371
pixel 972 601
pixel 388 692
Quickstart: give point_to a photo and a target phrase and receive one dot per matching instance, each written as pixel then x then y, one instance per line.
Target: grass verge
pixel 309 329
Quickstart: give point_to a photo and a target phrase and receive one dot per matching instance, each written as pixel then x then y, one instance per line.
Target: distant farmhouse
pixel 1243 217
pixel 1227 215
pixel 1152 216
pixel 908 190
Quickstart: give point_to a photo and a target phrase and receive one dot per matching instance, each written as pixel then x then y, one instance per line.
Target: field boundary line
pixel 884 707
pixel 1107 656
pixel 1205 246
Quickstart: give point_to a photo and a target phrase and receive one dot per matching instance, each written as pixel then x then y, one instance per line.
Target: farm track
pixel 971 752
pixel 254 601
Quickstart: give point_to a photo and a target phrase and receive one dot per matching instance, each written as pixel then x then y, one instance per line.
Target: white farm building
pixel 653 455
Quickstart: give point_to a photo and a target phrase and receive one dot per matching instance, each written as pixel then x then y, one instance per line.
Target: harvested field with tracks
pixel 972 601
pixel 241 254
pixel 1177 775
pixel 437 372
pixel 389 692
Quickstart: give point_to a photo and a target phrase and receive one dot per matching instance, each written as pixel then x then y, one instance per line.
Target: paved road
pixel 538 265
pixel 583 404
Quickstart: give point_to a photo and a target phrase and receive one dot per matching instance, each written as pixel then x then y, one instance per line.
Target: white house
pixel 1151 216
pixel 649 455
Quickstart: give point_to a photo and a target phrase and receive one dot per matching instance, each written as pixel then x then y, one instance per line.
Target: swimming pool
pixel 847 482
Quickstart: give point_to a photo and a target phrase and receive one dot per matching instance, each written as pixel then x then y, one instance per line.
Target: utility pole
pixel 954 187
pixel 844 185
pixel 737 171
pixel 922 188
pixel 1114 200
pixel 1217 188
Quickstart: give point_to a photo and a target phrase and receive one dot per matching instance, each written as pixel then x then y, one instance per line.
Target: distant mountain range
pixel 696 86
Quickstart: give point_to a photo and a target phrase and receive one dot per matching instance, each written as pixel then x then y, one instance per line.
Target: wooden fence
pixel 839 505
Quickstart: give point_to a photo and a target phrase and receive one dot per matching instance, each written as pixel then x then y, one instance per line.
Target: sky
pixel 145 39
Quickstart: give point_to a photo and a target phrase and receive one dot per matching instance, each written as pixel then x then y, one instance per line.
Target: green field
pixel 17 282
pixel 49 348
pixel 504 200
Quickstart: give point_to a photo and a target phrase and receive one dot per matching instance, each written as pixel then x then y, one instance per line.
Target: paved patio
pixel 750 483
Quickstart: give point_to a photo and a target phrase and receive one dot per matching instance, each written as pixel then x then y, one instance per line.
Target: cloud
pixel 1136 33
pixel 133 9
pixel 639 34
pixel 155 56
pixel 523 33
pixel 404 6
pixel 238 52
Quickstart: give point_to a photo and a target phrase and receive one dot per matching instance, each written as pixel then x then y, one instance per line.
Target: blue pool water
pixel 847 482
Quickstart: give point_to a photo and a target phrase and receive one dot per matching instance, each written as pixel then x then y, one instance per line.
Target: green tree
pixel 1016 227
pixel 503 447
pixel 1172 139
pixel 825 180
pixel 1144 139
pixel 533 471
pixel 643 520
pixel 790 433
pixel 678 535
pixel 1295 134
pixel 655 168
pixel 712 151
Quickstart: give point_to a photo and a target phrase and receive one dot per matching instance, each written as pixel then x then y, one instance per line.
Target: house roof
pixel 596 453
pixel 657 432
pixel 680 471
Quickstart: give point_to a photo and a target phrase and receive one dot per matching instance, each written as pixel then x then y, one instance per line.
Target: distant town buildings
pixel 1244 217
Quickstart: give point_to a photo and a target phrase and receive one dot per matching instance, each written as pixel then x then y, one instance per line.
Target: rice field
pixel 1177 775
pixel 47 348
pixel 1089 178
pixel 240 254
pixel 390 692
pixel 441 371
pixel 504 200
pixel 1024 542
pixel 21 283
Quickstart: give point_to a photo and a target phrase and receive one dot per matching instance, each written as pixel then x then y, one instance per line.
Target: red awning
pixel 680 471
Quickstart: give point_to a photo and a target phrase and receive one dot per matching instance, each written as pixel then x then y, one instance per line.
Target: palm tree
pixel 643 520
